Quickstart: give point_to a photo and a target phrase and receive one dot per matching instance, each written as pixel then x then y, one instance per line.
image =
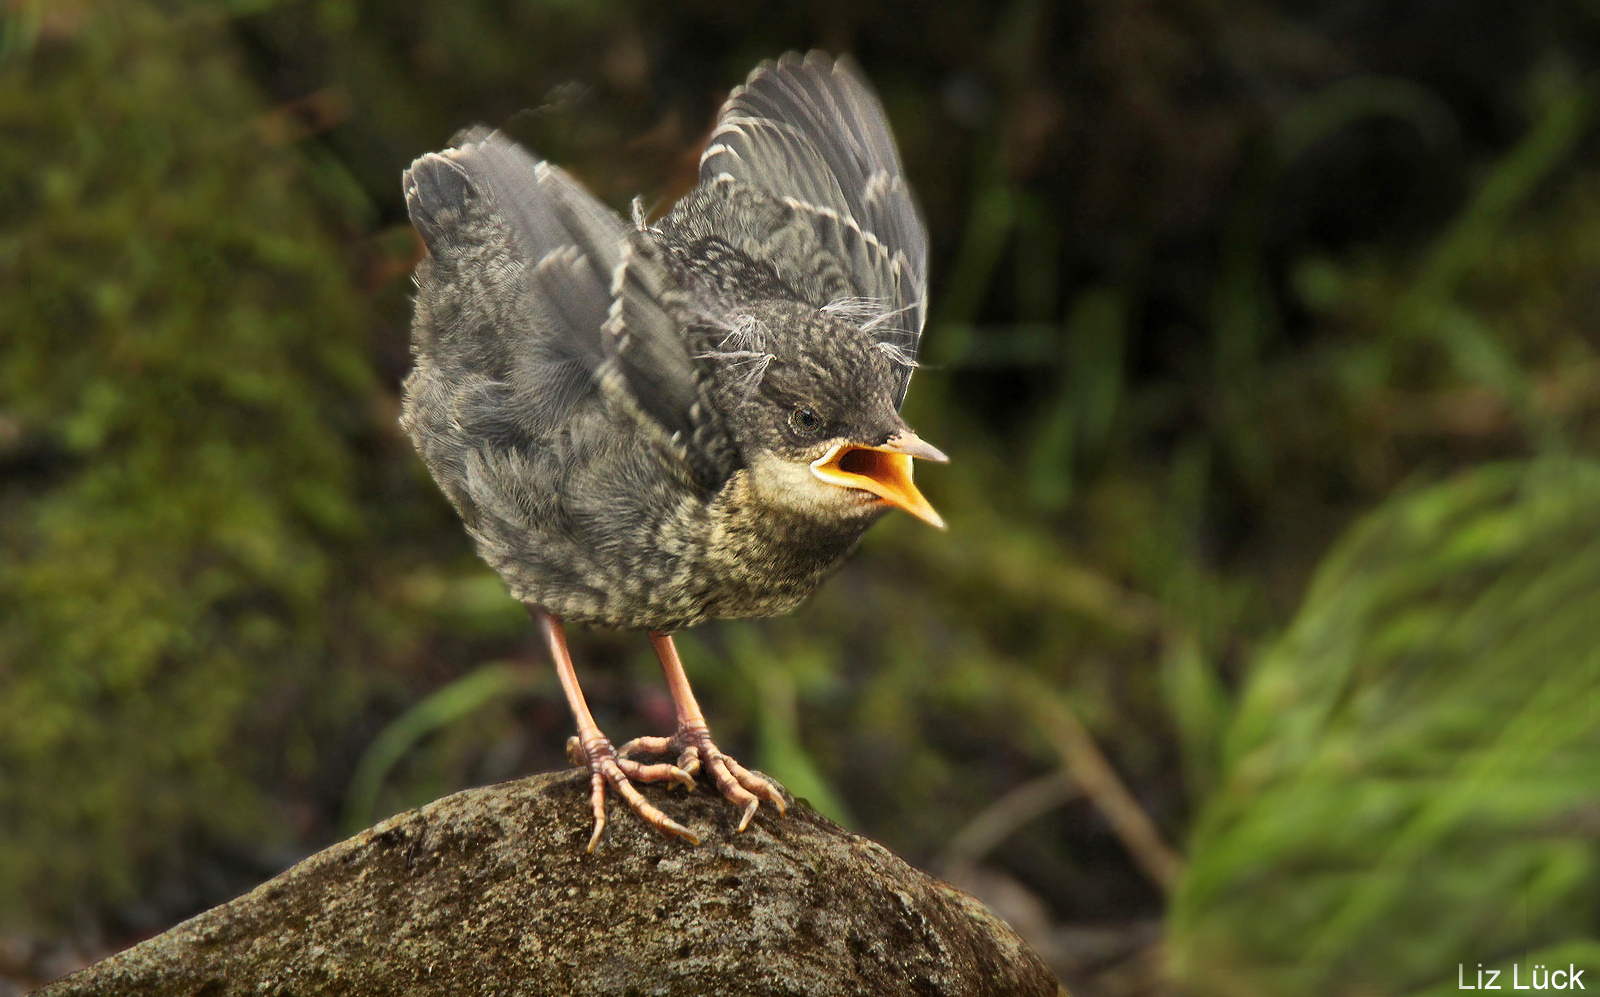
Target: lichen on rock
pixel 491 891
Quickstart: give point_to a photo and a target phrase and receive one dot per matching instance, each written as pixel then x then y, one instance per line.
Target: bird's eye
pixel 805 422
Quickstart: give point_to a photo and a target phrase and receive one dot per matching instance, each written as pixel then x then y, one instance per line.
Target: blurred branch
pixel 1093 772
pixel 1003 818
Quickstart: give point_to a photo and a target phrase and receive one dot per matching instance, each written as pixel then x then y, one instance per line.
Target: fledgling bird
pixel 651 426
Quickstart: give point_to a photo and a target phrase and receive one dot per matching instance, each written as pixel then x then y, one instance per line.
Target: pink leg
pixel 592 748
pixel 693 740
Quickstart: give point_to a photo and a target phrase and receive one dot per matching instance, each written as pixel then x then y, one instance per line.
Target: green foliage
pixel 183 387
pixel 1421 748
pixel 491 683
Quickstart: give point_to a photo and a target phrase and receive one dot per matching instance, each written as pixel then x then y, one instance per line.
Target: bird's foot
pixel 695 750
pixel 606 766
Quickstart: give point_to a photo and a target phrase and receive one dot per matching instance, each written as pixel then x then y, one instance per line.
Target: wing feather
pixel 538 296
pixel 808 132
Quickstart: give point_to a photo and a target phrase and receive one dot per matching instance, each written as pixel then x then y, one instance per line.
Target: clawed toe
pixel 661 772
pixel 605 767
pixel 744 787
pixel 699 753
pixel 696 753
pixel 692 744
pixel 760 785
pixel 646 745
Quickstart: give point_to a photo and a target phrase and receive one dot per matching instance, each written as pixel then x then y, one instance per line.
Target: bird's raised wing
pixel 538 295
pixel 809 133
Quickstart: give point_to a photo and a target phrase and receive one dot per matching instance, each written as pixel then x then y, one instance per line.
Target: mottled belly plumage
pixel 693 562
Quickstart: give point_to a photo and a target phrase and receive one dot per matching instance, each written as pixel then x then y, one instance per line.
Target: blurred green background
pixel 1262 654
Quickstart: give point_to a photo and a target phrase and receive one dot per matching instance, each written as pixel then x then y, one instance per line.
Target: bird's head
pixel 809 398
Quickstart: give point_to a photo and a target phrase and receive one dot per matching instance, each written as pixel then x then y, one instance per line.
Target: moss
pixel 184 379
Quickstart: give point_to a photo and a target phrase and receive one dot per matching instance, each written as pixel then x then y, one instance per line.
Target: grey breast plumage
pixel 562 397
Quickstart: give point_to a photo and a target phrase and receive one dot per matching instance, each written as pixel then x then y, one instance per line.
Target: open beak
pixel 884 471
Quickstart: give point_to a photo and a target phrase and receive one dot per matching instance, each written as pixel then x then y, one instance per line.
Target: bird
pixel 650 425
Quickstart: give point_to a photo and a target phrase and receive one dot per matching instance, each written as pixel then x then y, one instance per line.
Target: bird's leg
pixel 593 749
pixel 697 750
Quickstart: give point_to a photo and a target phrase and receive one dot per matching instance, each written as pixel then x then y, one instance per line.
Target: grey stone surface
pixel 489 891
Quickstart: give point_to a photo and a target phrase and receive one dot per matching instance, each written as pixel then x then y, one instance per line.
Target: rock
pixel 490 891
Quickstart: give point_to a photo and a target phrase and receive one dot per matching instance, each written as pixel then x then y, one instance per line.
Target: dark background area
pixel 1260 655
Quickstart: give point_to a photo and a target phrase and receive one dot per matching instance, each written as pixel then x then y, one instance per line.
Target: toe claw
pixel 732 790
pixel 741 787
pixel 605 767
pixel 765 790
pixel 655 818
pixel 749 813
pixel 689 761
pixel 673 827
pixel 597 802
pixel 759 785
